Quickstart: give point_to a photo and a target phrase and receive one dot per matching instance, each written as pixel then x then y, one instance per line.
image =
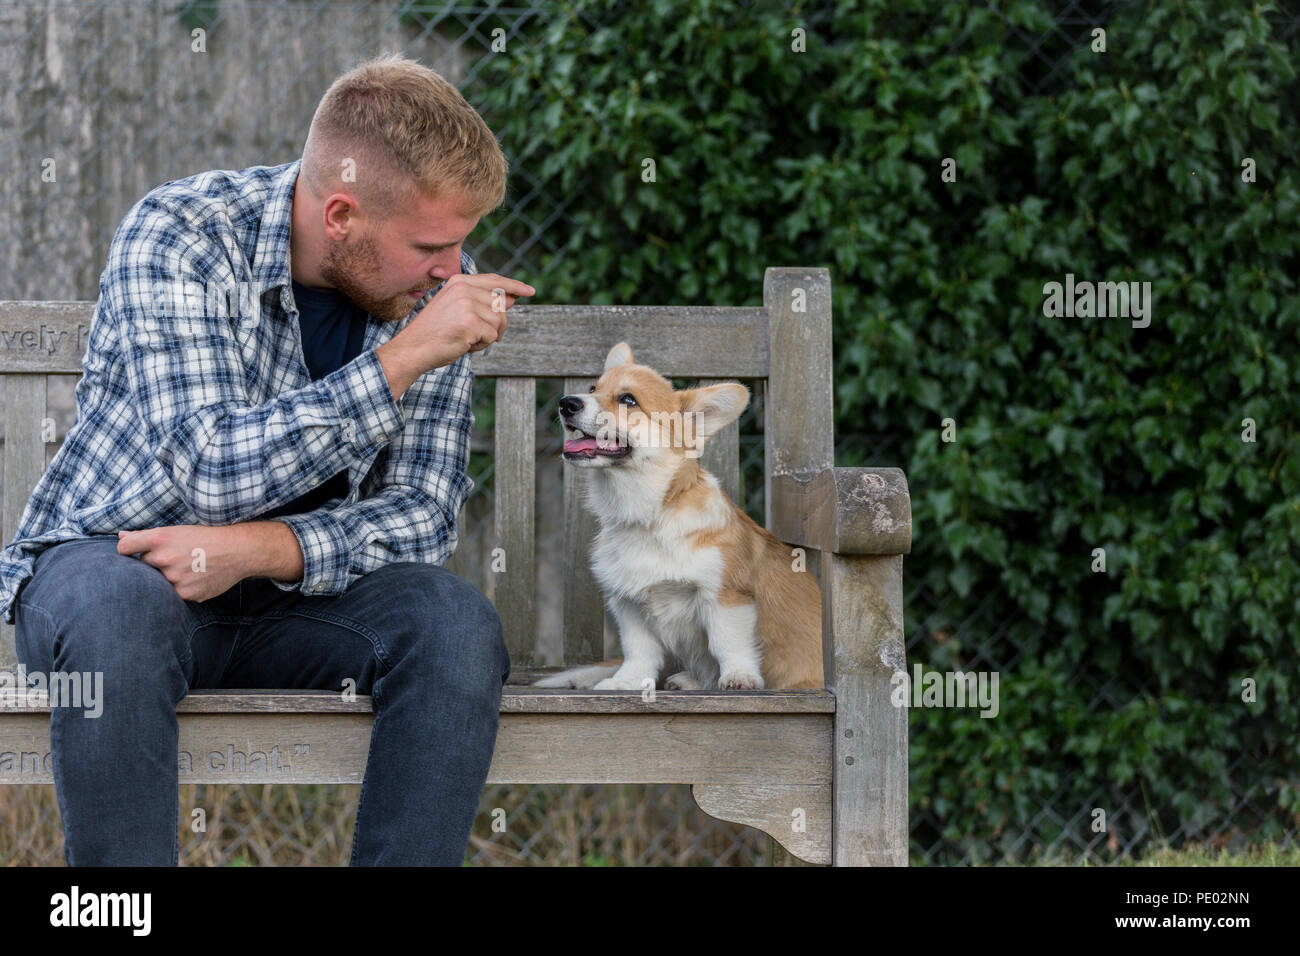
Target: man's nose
pixel 448 262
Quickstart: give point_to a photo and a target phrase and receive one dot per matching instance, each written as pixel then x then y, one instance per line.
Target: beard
pixel 350 267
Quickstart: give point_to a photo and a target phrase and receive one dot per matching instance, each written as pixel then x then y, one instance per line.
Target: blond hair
pixel 401 128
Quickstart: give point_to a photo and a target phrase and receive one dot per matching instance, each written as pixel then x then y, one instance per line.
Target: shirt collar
pixel 271 260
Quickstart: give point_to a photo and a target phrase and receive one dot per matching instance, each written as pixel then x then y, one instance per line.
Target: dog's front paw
pixel 740 680
pixel 682 680
pixel 620 683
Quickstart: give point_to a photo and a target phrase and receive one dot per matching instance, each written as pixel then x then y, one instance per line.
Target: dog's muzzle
pixel 585 444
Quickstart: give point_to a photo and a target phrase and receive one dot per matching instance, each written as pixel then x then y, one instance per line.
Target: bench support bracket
pixel 797 817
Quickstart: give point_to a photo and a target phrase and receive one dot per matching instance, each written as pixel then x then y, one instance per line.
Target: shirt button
pixel 382 436
pixel 319 587
pixel 314 482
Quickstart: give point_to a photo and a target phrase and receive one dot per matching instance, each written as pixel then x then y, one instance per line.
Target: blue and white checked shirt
pixel 202 411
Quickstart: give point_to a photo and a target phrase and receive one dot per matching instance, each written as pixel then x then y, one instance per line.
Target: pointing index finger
pixel 490 280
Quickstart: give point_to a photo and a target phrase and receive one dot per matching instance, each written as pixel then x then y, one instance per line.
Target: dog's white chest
pixel 669 581
pixel 632 561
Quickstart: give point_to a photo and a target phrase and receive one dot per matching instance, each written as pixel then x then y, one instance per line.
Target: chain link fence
pixel 111 93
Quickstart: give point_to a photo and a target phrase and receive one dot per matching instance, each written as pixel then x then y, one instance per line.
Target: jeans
pixel 424 644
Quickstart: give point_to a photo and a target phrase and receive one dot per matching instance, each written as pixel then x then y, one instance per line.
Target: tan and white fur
pixel 700 592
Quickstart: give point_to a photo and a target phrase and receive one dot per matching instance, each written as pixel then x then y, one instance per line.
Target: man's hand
pixel 467 315
pixel 200 561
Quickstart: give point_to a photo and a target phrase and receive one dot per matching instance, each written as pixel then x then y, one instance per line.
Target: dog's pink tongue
pixel 584 443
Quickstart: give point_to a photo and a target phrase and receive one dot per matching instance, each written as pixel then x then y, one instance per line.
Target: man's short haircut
pixel 402 129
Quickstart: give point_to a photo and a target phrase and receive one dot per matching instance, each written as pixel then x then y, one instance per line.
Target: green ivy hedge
pixel 1071 433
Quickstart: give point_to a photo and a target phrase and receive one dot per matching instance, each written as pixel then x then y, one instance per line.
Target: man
pixel 263 481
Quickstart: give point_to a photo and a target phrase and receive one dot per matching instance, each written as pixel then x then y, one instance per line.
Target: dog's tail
pixel 580 678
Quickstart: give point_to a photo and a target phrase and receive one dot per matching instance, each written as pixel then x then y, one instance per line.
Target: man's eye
pixel 627 399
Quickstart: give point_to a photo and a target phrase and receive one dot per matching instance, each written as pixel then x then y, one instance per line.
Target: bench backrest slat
pixel 798 427
pixel 721 454
pixel 24 462
pixel 511 572
pixel 584 607
pixel 677 341
pixel 543 340
pixel 458 563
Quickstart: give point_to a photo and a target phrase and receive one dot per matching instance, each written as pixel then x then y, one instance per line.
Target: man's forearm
pixel 273 551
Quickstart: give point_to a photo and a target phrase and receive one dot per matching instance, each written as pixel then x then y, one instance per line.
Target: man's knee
pixel 449 609
pixel 100 610
pixel 468 610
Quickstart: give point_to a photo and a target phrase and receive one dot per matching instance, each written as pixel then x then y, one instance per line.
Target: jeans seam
pixel 213 620
pixel 32 606
pixel 224 622
pixel 376 698
pixel 329 617
pixel 225 665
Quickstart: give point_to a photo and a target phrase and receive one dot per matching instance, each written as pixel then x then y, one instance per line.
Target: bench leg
pixel 862 646
pixel 797 817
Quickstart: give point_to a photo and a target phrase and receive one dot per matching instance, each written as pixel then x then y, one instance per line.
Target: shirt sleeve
pixel 186 371
pixel 411 516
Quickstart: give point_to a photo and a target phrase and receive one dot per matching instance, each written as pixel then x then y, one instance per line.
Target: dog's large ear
pixel 715 406
pixel 620 354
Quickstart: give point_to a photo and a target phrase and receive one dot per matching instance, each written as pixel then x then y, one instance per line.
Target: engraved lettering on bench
pixel 26 762
pixel 42 339
pixel 234 760
pixel 231 760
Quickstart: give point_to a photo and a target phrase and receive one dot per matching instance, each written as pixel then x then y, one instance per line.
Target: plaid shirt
pixel 201 410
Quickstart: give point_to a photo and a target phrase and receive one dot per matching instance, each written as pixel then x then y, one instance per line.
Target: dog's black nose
pixel 570 405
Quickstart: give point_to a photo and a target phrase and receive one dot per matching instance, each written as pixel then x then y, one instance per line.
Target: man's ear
pixel 715 406
pixel 620 354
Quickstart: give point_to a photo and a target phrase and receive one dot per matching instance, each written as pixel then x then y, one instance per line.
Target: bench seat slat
pixel 514 700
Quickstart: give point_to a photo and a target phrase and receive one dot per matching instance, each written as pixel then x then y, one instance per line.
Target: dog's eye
pixel 627 399
pixel 592 389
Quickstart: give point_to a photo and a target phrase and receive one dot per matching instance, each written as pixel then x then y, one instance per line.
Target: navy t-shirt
pixel 333 334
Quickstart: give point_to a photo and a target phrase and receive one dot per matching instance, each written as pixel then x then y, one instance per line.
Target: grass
pixel 1201 854
pixel 1267 854
pixel 259 825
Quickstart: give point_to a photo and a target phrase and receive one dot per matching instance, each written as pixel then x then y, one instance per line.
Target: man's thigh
pixel 296 641
pixel 83 593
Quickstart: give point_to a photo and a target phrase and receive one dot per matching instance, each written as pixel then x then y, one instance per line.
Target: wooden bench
pixel 823 772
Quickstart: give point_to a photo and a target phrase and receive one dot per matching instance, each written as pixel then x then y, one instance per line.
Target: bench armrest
pixel 844 510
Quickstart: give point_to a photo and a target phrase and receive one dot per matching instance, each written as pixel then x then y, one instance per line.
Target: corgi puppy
pixel 700 592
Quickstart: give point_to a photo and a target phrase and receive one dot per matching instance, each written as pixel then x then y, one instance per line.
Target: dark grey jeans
pixel 424 644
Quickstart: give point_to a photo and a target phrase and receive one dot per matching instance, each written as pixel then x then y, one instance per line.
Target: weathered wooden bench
pixel 823 772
